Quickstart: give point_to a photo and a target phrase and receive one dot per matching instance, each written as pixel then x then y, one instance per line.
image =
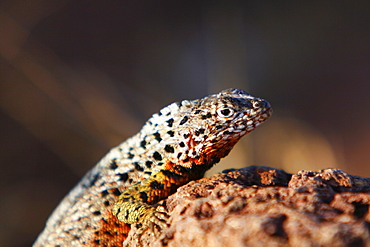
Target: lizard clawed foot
pixel 156 220
pixel 140 213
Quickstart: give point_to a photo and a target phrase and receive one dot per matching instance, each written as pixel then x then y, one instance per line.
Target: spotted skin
pixel 175 146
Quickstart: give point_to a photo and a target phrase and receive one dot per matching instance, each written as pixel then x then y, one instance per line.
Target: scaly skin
pixel 175 146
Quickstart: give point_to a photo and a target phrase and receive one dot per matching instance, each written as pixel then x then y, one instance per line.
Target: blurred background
pixel 79 77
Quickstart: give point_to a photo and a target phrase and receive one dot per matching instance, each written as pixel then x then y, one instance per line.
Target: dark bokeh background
pixel 78 77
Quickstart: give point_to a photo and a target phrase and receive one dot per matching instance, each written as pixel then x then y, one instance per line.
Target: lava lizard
pixel 175 146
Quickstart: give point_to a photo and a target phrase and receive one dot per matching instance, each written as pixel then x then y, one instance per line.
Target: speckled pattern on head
pixel 175 146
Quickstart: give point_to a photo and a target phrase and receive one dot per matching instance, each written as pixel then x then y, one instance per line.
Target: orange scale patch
pixel 112 232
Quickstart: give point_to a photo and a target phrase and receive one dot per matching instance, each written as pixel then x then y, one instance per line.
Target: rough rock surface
pixel 262 206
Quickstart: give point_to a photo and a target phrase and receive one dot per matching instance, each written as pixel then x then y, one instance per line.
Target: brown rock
pixel 262 206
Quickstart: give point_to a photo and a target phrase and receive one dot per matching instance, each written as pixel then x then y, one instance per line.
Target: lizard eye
pixel 225 112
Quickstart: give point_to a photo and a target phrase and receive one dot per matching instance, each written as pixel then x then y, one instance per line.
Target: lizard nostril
pixel 261 104
pixel 256 104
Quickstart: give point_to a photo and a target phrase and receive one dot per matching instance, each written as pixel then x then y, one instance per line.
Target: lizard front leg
pixel 135 204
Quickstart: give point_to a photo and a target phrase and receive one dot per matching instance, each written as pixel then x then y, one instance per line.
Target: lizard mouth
pixel 250 123
pixel 266 114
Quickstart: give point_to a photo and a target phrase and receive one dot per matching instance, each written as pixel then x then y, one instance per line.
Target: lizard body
pixel 175 146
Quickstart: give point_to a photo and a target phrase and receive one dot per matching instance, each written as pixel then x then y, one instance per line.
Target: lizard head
pixel 220 120
pixel 202 131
